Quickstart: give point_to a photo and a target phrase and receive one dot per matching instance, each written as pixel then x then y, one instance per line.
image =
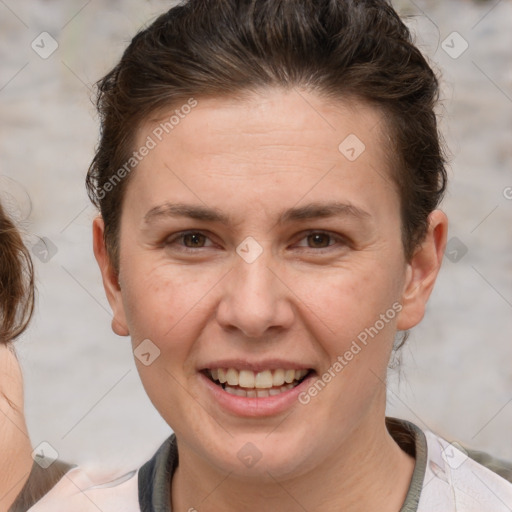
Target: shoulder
pixel 86 490
pixel 42 478
pixel 454 481
pixel 498 466
pixel 83 489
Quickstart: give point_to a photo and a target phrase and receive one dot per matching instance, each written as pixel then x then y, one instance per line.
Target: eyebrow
pixel 308 212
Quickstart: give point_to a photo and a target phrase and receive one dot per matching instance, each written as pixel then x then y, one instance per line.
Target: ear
pixel 110 278
pixel 422 271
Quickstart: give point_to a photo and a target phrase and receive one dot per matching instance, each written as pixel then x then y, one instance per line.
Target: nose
pixel 255 299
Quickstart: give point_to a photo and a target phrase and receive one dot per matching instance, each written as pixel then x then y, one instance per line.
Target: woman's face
pixel 293 261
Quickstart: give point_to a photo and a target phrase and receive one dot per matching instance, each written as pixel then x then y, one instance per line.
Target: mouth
pixel 261 384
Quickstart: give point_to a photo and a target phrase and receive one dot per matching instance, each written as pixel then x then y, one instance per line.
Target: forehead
pixel 284 139
pixel 267 118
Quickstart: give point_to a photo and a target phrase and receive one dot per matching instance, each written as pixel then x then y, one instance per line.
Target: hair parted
pixel 343 50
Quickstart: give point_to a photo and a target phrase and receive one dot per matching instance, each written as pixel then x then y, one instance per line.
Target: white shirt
pixel 448 479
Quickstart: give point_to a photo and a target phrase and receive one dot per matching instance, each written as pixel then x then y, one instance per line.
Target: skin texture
pixel 16 461
pixel 303 300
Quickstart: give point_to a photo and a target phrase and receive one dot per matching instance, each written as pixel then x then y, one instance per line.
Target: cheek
pixel 163 303
pixel 164 306
pixel 353 316
pixel 346 301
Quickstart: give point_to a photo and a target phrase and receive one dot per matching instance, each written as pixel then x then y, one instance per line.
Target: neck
pixel 368 471
pixel 16 460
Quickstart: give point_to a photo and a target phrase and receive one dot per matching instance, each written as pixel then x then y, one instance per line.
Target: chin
pixel 265 456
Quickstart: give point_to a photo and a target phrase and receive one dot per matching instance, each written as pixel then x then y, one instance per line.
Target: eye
pixel 321 240
pixel 190 241
pixel 187 241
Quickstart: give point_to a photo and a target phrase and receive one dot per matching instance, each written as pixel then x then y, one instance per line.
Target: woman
pixel 268 178
pixel 16 305
pixel 22 481
pixel 27 476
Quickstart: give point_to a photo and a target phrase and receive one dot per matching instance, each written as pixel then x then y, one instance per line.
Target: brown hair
pixel 341 49
pixel 16 281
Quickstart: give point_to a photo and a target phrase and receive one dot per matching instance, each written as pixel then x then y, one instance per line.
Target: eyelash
pixel 180 236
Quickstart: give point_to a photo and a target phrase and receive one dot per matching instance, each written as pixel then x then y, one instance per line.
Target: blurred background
pixel 83 394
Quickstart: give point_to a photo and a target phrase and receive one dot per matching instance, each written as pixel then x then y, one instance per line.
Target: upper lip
pixel 255 366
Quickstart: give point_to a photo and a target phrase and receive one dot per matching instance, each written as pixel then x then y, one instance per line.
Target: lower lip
pixel 255 407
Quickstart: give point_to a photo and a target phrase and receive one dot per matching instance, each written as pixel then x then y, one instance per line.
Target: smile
pixel 249 384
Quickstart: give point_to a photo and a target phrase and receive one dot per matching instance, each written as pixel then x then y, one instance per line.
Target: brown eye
pixel 188 241
pixel 192 240
pixel 319 240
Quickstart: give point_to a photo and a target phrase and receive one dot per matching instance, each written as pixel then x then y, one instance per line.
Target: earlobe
pixel 119 328
pixel 110 279
pixel 422 271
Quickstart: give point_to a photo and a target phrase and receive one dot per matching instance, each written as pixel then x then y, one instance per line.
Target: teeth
pixel 232 377
pixel 245 379
pixel 260 393
pixel 222 375
pixel 289 376
pixel 300 373
pixel 263 380
pixel 257 384
pixel 278 378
